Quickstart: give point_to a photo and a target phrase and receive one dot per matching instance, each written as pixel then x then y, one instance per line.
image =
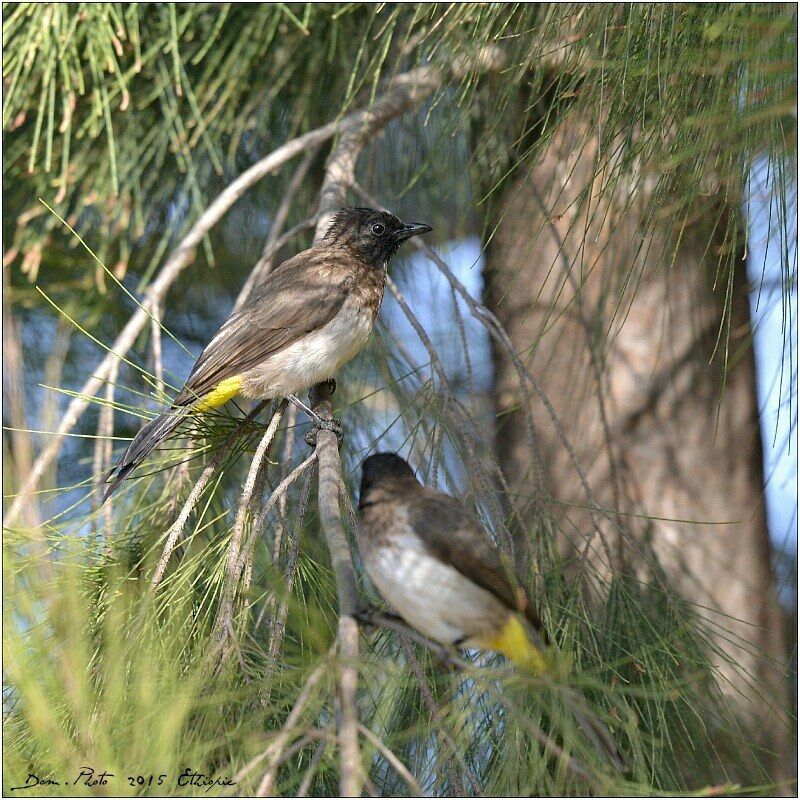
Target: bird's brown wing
pixel 453 535
pixel 300 296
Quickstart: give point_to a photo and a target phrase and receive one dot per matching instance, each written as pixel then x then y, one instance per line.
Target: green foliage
pixel 128 119
pixel 104 672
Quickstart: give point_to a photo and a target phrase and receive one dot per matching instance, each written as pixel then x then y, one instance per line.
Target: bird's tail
pixel 528 650
pixel 145 441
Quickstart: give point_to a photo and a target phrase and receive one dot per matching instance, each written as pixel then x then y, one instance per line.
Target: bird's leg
pixel 447 653
pixel 318 421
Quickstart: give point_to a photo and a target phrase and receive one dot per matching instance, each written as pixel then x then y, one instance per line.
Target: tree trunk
pixel 619 323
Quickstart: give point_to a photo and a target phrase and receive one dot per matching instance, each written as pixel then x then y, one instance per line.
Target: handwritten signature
pixel 88 776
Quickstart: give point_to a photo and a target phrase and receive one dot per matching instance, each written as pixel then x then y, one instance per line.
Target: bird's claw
pixel 318 424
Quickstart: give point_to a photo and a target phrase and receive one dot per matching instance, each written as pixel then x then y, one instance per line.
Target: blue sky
pixel 772 270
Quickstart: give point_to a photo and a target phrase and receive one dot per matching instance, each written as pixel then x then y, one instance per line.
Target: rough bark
pixel 617 317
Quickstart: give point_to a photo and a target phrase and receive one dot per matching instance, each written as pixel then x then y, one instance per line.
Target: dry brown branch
pixel 236 568
pixel 288 446
pixel 278 626
pixel 176 528
pixel 329 470
pixel 400 768
pixel 280 489
pixel 234 548
pixel 273 752
pixel 249 486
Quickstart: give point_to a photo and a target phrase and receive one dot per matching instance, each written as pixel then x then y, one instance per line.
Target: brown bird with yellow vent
pixel 308 317
pixel 432 560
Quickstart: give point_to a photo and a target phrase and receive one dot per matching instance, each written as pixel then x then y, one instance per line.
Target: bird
pixel 432 560
pixel 307 318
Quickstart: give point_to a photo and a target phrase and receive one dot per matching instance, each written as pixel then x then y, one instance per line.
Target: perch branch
pixel 329 471
pixel 376 619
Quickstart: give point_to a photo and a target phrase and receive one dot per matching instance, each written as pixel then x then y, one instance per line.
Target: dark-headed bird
pixel 308 317
pixel 433 562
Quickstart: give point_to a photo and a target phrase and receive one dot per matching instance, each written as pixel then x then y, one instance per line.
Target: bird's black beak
pixel 413 229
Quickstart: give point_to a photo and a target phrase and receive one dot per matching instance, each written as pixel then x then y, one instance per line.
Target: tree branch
pixel 327 452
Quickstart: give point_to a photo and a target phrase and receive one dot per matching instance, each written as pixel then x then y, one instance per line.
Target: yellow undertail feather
pixel 224 391
pixel 515 644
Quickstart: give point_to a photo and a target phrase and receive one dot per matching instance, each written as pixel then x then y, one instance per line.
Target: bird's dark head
pixel 374 235
pixel 384 473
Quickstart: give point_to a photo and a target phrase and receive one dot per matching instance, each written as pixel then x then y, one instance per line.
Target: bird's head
pixel 374 235
pixel 385 473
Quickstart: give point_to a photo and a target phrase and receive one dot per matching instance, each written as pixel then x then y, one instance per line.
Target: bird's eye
pixel 379 229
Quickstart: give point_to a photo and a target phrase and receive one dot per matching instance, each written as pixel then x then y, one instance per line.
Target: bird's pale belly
pixel 431 596
pixel 314 358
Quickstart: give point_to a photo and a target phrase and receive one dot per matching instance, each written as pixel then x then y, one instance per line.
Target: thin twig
pixel 234 547
pixel 376 619
pixel 103 445
pixel 259 460
pixel 278 628
pixel 176 528
pixel 282 487
pixel 399 767
pixel 235 571
pixel 305 784
pixel 155 338
pixel 273 752
pixel 288 446
pixel 315 735
pixel 434 711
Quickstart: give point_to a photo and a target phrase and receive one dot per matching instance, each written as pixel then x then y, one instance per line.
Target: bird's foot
pixel 319 424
